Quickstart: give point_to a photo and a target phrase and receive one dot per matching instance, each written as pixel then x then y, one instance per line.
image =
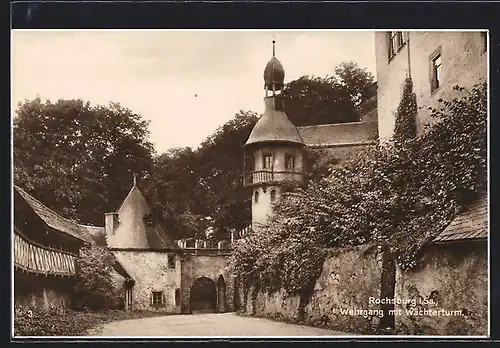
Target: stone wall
pixel 455 278
pixel 350 276
pixel 151 273
pixel 358 279
pixel 41 293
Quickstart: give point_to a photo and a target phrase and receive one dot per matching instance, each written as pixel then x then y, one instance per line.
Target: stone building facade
pixel 436 61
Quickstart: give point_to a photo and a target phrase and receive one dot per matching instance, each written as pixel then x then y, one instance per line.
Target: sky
pixel 186 83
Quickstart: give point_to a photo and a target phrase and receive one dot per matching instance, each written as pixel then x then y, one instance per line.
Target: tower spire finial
pixel 274 48
pixel 135 179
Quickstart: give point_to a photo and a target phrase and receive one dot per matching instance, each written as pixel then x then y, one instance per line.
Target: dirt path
pixel 225 324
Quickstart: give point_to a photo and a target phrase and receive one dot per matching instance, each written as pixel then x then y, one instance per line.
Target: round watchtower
pixel 274 151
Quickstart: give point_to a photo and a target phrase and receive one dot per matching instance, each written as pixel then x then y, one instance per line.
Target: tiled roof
pixel 339 134
pixel 274 126
pixel 52 219
pixel 132 232
pixel 469 225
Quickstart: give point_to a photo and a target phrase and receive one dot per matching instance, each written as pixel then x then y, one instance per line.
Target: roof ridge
pixel 50 209
pixel 126 197
pixel 27 197
pixel 83 225
pixel 336 124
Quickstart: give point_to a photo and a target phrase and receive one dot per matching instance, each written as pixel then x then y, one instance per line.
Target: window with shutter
pixel 436 71
pixel 157 299
pixel 396 41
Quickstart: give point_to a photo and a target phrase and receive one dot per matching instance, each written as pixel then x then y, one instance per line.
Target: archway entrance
pixel 221 295
pixel 203 296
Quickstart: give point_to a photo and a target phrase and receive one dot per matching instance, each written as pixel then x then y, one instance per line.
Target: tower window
pixel 396 40
pixel 273 195
pixel 171 261
pixel 157 298
pixel 435 71
pixel 268 161
pixel 149 221
pixel 289 162
pixel 256 196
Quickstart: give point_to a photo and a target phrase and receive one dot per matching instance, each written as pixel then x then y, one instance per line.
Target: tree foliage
pixel 95 267
pixel 201 189
pixel 400 196
pixel 312 100
pixel 87 152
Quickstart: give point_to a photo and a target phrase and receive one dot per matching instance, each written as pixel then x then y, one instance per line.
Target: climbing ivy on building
pixel 399 195
pixel 405 125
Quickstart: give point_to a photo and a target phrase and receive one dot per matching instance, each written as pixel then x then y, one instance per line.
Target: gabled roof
pixel 339 134
pixel 132 232
pixel 472 224
pixel 52 219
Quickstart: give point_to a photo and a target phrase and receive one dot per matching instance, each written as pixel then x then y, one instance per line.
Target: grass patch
pixel 69 323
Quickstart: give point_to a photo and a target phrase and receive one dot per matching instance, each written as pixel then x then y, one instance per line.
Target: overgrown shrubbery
pixel 30 322
pixel 95 288
pixel 400 194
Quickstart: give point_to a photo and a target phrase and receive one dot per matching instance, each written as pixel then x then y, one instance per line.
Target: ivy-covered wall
pixel 455 278
pixel 346 295
pixel 349 278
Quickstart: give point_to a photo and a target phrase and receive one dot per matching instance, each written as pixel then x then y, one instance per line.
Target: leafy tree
pixel 79 158
pixel 221 172
pixel 332 99
pixel 196 190
pixel 171 190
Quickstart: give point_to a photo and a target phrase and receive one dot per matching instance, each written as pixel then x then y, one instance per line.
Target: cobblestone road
pixel 225 324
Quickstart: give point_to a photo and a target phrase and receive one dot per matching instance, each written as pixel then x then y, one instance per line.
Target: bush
pixel 95 289
pixel 95 300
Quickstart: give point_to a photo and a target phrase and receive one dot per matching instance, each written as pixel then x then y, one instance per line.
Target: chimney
pixel 110 223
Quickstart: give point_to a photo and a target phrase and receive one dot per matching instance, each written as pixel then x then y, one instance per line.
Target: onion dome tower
pixel 274 151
